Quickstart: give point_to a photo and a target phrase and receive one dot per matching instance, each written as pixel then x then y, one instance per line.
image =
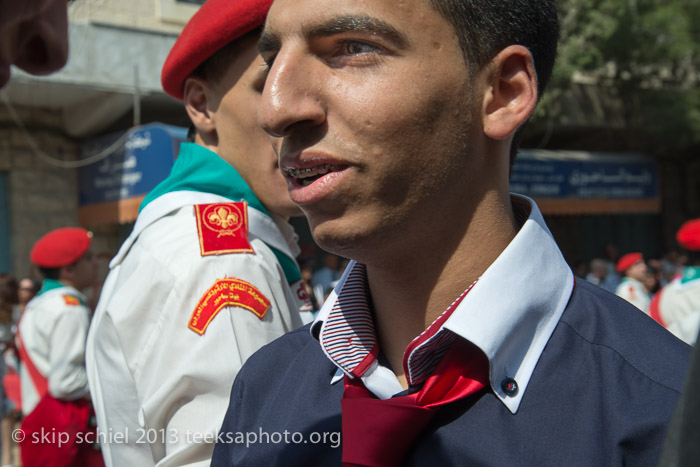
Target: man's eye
pixel 267 63
pixel 357 48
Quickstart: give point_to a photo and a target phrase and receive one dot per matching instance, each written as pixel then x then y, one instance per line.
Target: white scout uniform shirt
pixel 679 305
pixel 634 292
pixel 173 326
pixel 53 330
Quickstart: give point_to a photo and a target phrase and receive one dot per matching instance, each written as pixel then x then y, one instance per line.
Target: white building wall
pixel 166 16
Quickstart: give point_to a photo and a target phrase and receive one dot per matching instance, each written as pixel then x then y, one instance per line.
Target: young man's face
pixel 241 141
pixel 83 272
pixel 33 36
pixel 637 271
pixel 376 109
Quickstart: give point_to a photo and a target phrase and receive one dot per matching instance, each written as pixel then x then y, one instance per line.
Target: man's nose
pixel 293 95
pixel 42 40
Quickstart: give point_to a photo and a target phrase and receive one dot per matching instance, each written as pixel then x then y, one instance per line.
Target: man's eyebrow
pixel 270 41
pixel 357 23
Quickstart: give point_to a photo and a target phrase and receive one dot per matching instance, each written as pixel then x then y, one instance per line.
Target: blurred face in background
pixel 26 291
pixel 33 36
pixel 637 271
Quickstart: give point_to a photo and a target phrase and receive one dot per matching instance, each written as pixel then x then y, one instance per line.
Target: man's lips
pixel 313 177
pixel 308 175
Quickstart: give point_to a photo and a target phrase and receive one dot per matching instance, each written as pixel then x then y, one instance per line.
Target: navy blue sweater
pixel 602 394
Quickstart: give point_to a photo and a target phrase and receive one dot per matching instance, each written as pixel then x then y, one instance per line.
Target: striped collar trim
pixel 348 336
pixel 512 329
pixel 425 351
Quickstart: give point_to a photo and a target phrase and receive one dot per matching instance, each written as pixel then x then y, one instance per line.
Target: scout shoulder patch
pixel 227 292
pixel 71 300
pixel 222 228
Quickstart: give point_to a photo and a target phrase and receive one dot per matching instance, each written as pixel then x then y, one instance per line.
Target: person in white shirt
pixel 51 343
pixel 633 270
pixel 208 274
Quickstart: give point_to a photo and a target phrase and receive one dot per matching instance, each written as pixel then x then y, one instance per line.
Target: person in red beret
pixel 633 271
pixel 208 275
pixel 51 339
pixel 678 305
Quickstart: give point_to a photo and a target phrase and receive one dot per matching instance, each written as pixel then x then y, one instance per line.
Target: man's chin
pixel 333 238
pixel 295 211
pixel 287 210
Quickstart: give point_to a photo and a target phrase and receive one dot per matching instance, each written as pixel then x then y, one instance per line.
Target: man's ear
pixel 197 97
pixel 67 272
pixel 511 94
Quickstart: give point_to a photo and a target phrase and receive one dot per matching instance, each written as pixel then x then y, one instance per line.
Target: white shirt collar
pixel 510 313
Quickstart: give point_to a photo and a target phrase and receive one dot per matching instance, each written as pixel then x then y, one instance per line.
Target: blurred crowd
pixel 14 296
pixel 320 277
pixel 666 288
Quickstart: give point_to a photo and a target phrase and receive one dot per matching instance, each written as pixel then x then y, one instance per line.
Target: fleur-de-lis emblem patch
pixel 223 228
pixel 224 218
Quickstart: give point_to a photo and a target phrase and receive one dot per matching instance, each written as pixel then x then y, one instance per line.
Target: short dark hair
pixel 50 273
pixel 485 27
pixel 214 68
pixel 8 290
pixel 693 257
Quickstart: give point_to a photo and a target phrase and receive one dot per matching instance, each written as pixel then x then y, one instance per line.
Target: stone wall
pixel 41 195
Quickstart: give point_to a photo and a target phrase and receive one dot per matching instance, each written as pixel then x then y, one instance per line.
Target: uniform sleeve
pixel 634 295
pixel 67 378
pixel 191 404
pixel 113 391
pixel 686 328
pixel 223 452
pixel 180 380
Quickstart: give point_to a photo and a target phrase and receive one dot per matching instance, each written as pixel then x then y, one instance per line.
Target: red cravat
pixel 379 433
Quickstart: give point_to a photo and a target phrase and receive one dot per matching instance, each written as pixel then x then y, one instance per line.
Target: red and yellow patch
pixel 227 292
pixel 223 228
pixel 71 300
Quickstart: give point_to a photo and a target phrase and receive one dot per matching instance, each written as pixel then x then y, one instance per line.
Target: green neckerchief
pixel 49 284
pixel 690 273
pixel 199 169
pixel 52 284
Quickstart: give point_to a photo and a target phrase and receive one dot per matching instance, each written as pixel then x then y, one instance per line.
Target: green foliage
pixel 647 51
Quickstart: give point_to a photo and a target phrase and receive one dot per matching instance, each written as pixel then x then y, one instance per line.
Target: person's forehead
pixel 309 17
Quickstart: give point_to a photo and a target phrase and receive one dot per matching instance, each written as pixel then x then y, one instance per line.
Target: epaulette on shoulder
pixel 223 228
pixel 71 300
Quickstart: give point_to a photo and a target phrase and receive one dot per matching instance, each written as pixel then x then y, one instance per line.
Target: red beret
pixel 215 24
pixel 627 261
pixel 61 247
pixel 688 235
